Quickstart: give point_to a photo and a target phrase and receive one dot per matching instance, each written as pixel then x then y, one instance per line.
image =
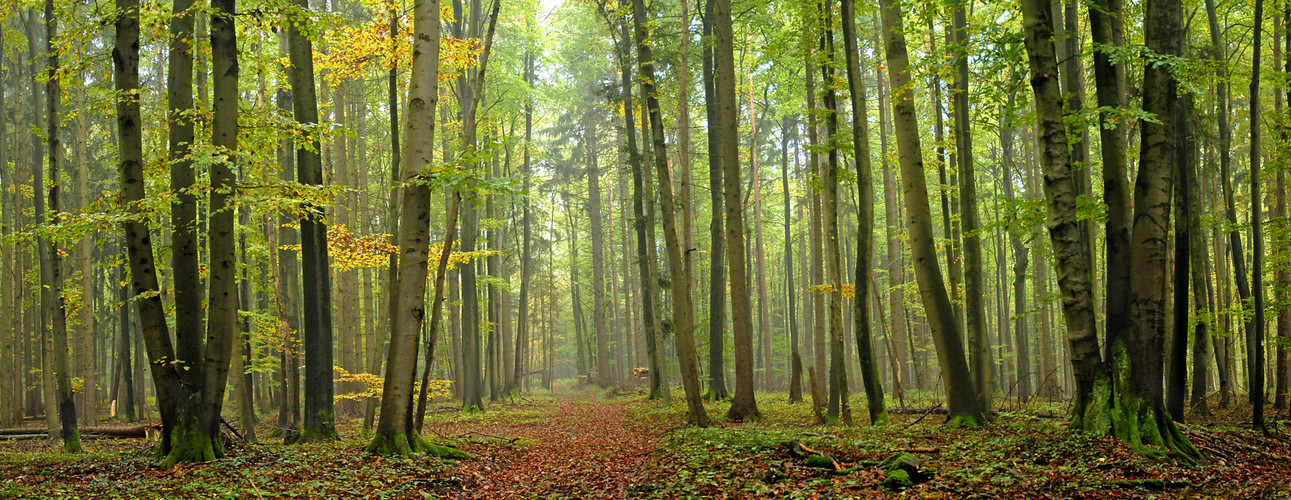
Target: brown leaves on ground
pixel 586 449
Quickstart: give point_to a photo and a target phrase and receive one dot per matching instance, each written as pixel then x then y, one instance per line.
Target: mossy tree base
pixel 189 444
pixel 399 445
pixel 1115 410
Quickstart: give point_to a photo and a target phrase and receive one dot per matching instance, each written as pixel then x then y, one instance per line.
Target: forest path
pixel 584 449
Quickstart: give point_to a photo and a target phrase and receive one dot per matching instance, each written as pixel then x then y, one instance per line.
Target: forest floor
pixel 588 444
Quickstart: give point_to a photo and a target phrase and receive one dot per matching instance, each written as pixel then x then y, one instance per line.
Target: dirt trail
pixel 587 449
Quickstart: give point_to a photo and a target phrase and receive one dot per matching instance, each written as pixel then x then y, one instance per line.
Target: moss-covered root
pixel 1115 410
pixel 188 444
pixel 400 445
pixel 386 445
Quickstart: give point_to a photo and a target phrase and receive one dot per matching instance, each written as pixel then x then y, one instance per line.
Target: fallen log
pixel 131 431
pixel 917 411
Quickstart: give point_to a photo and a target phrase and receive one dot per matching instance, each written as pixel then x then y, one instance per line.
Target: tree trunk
pixel 979 345
pixel 1177 371
pixel 526 251
pixel 185 240
pixel 791 308
pixel 717 232
pixel 604 375
pixel 319 416
pixel 682 293
pixel 895 262
pixel 838 391
pixel 864 218
pixel 963 405
pixel 143 275
pixel 53 304
pixel 395 434
pixel 1255 340
pixel 817 264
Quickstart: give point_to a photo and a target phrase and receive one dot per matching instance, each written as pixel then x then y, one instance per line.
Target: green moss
pixel 188 444
pixel 964 421
pixel 72 443
pixel 882 420
pixel 402 445
pixel 396 445
pixel 897 480
pixel 901 461
pixel 820 461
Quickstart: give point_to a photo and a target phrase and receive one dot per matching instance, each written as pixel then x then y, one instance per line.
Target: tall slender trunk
pixel 717 232
pixel 838 390
pixel 682 292
pixel 143 283
pixel 526 249
pixel 817 264
pixel 319 417
pixel 1255 340
pixel 604 375
pixel 185 239
pixel 1177 371
pixel 979 348
pixel 894 261
pixel 864 218
pixel 53 304
pixel 791 308
pixel 963 405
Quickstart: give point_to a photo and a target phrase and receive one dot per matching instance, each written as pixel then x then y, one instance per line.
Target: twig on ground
pixel 925 415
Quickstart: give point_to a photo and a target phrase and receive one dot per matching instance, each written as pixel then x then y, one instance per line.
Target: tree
pixel 717 232
pixel 53 317
pixel 682 310
pixel 865 217
pixel 838 394
pixel 143 275
pixel 185 240
pixel 1255 343
pixel 963 406
pixel 395 434
pixel 320 414
pixel 979 351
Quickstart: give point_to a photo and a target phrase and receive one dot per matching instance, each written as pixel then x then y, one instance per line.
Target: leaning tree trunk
pixel 682 294
pixel 864 219
pixel 963 406
pixel 143 283
pixel 1060 200
pixel 51 299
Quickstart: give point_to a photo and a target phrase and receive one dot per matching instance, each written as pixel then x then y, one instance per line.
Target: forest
pixel 645 249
